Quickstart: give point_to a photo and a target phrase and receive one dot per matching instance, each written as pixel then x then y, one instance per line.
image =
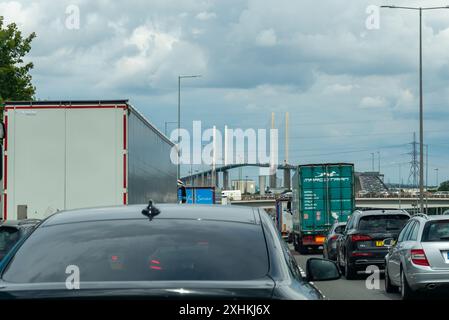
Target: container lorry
pixel 322 194
pixel 60 155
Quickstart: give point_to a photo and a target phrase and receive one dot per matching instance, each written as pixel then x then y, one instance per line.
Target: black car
pixel 155 252
pixel 362 243
pixel 11 231
pixel 330 244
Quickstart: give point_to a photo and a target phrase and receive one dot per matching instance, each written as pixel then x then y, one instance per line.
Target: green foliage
pixel 15 80
pixel 444 186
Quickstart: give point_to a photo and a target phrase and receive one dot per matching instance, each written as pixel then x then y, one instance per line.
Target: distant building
pixel 245 186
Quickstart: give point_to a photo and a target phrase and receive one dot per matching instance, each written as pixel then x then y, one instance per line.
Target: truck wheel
pixel 350 272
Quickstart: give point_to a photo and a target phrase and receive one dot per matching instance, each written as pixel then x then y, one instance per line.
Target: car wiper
pixel 444 238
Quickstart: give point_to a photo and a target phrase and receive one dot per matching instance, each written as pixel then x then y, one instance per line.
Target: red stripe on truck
pixel 5 205
pixel 124 171
pixel 68 107
pixel 124 133
pixel 125 167
pixel 5 133
pixel 5 176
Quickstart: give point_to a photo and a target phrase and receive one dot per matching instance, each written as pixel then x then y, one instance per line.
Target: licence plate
pixel 379 243
pixel 320 239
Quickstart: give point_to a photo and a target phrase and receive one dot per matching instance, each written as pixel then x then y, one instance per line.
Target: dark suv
pixel 362 242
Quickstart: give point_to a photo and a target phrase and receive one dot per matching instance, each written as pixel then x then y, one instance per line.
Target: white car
pixel 417 264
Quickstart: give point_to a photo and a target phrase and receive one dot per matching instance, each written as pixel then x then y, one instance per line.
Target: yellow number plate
pixel 379 243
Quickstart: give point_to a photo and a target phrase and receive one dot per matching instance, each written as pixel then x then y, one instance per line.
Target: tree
pixel 15 80
pixel 444 186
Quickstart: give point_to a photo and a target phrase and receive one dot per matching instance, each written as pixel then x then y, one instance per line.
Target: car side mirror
pixel 390 242
pixel 322 270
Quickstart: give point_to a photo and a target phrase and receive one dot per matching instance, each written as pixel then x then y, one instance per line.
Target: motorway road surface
pixel 343 289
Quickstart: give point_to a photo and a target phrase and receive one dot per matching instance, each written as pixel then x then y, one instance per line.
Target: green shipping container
pixel 322 194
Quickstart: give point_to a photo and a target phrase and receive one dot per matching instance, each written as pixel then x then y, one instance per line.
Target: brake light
pixel 334 237
pixel 419 257
pixel 155 268
pixel 360 237
pixel 155 264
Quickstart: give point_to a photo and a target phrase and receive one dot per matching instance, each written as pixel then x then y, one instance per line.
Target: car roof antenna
pixel 151 211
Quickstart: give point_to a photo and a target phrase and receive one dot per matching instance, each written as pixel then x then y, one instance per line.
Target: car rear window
pixel 436 231
pixel 382 223
pixel 8 238
pixel 140 250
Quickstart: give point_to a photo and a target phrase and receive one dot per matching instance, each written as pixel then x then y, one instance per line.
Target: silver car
pixel 418 262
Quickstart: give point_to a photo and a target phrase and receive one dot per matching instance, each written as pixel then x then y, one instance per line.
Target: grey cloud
pixel 316 60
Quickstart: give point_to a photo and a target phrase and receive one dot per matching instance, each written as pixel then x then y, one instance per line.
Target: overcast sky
pixel 350 91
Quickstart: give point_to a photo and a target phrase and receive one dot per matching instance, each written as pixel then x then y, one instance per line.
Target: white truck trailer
pixel 232 195
pixel 284 218
pixel 75 154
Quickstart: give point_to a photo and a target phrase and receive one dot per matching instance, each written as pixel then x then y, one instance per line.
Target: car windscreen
pixel 435 231
pixel 382 223
pixel 142 250
pixel 8 238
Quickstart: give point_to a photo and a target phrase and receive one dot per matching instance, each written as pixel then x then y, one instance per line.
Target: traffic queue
pixel 108 225
pixel 411 250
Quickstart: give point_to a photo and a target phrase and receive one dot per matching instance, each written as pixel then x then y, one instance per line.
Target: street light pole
pixel 421 109
pixel 400 186
pixel 179 121
pixel 427 166
pixel 378 154
pixel 427 178
pixel 421 121
pixel 178 174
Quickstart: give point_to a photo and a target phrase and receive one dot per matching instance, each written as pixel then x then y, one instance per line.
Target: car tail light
pixel 360 237
pixel 334 237
pixel 308 238
pixel 419 257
